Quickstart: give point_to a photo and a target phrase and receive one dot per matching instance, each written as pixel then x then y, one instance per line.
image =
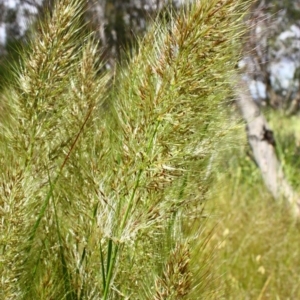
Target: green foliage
pixel 7 63
pixel 44 116
pixel 254 240
pixel 286 130
pixel 101 190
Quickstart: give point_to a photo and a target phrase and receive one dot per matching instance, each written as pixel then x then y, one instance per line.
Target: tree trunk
pixel 262 142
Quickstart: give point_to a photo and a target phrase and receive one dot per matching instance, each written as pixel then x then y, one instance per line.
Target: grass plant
pixel 45 113
pixel 101 190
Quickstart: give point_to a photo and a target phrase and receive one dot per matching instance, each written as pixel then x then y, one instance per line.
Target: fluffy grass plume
pixel 102 201
pixel 166 104
pixel 46 112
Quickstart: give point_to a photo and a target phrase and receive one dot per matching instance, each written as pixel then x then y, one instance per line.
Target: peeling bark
pixel 262 142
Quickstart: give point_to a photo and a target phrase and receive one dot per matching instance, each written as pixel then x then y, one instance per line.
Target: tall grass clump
pixel 105 201
pixel 167 107
pixel 46 113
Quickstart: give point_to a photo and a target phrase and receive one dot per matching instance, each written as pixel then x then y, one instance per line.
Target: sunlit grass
pixel 102 185
pixel 255 239
pixel 104 175
pixel 107 201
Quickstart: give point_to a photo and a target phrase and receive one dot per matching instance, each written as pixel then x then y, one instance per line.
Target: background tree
pixel 270 71
pixel 271 58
